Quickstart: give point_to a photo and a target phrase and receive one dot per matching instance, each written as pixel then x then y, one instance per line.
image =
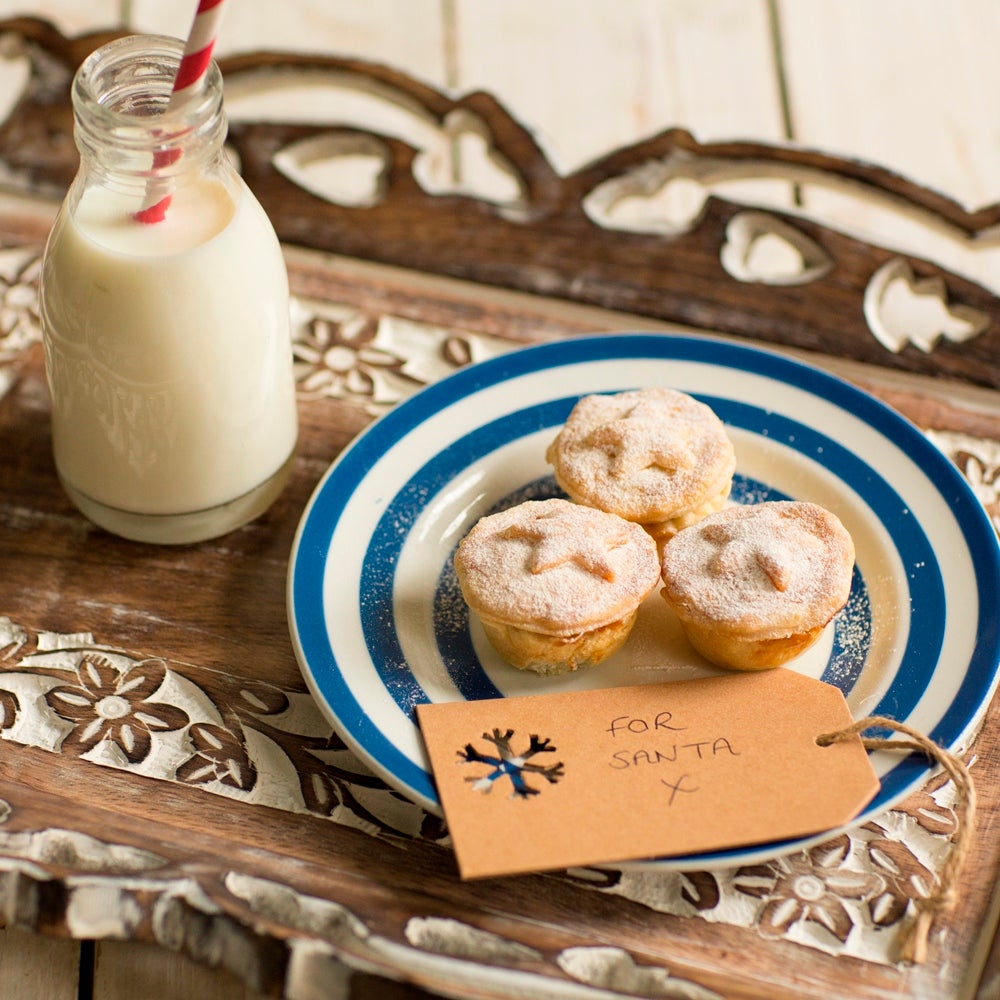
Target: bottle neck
pixel 128 130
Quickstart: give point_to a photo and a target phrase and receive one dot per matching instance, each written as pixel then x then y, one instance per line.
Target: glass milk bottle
pixel 167 344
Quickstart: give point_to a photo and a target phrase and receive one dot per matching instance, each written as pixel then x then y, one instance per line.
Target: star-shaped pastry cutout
pixel 560 539
pixel 736 552
pixel 635 441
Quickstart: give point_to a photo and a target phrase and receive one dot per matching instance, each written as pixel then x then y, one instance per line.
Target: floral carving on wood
pixel 375 360
pixel 110 706
pixel 20 326
pixel 815 886
pixel 70 694
pixel 978 459
pixel 833 897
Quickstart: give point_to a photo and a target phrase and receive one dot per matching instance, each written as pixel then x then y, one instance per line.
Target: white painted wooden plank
pixel 405 35
pixel 910 85
pixel 70 16
pixel 35 966
pixel 590 77
pixel 127 970
pixel 409 37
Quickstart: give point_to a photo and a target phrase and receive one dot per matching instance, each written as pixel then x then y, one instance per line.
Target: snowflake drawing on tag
pixel 507 763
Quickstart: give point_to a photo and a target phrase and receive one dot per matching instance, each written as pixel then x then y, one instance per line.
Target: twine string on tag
pixel 913 947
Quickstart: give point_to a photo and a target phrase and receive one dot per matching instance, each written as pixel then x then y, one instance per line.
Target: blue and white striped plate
pixel 379 626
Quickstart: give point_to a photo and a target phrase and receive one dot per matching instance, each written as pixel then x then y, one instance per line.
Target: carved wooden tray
pixel 164 775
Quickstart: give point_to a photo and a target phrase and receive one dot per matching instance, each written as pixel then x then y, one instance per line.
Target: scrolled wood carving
pixel 559 235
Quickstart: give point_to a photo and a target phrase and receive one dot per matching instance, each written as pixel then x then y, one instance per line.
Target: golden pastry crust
pixel 555 584
pixel 754 586
pixel 663 531
pixel 552 654
pixel 655 456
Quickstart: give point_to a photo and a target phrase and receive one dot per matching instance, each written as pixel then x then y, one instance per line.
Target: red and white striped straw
pixel 190 74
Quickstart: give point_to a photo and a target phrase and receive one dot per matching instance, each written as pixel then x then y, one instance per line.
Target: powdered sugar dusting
pixel 647 454
pixel 852 638
pixel 556 567
pixel 780 567
pixel 657 649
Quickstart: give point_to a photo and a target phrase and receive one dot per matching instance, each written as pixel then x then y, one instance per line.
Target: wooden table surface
pixel 894 84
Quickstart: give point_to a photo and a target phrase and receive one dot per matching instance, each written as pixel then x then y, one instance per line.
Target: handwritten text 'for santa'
pixel 658 741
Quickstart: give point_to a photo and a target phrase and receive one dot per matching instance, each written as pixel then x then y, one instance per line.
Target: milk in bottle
pixel 167 345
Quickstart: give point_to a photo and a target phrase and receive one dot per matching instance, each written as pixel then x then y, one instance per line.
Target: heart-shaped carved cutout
pixel 15 75
pixel 346 170
pixel 656 197
pixel 763 248
pixel 467 163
